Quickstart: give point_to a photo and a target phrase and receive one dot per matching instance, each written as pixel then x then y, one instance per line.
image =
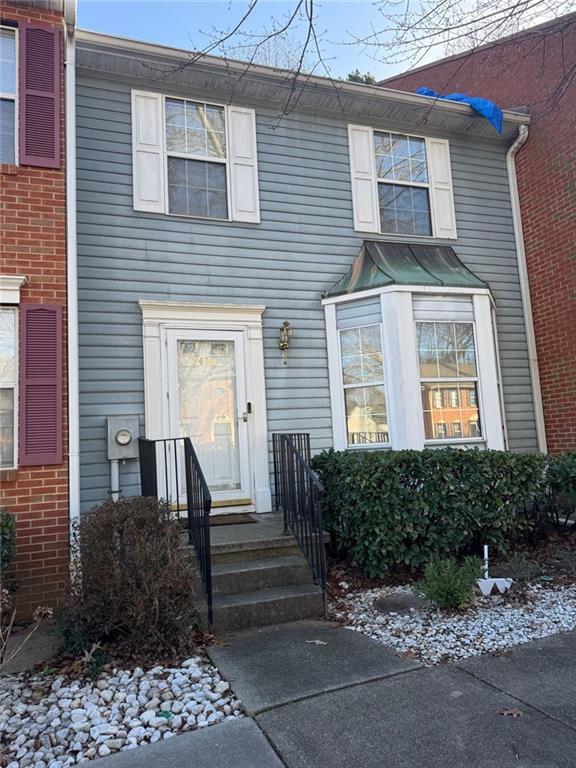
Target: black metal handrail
pixel 170 452
pixel 299 495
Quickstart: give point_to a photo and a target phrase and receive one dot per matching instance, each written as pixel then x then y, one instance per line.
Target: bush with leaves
pixel 7 539
pixel 449 584
pixel 135 583
pixel 386 508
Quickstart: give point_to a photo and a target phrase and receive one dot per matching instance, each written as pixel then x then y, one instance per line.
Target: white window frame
pixel 169 153
pixel 402 373
pixel 14 386
pixel 380 383
pixel 14 96
pixel 429 441
pixel 417 184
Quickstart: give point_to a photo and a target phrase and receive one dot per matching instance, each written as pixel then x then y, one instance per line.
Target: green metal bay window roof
pixel 378 265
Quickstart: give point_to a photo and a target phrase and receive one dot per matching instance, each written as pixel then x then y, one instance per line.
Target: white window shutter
pixel 442 202
pixel 147 151
pixel 363 172
pixel 244 195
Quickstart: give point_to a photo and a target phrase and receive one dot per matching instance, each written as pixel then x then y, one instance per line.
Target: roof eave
pixel 358 96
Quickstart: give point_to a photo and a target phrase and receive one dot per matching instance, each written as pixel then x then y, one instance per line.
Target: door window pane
pixel 208 408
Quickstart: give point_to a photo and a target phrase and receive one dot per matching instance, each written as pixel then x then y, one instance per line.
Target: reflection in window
pixel 196 147
pixel 448 380
pixel 363 382
pixel 8 379
pixel 403 189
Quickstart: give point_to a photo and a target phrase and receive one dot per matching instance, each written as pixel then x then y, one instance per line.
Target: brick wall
pixel 32 222
pixel 534 69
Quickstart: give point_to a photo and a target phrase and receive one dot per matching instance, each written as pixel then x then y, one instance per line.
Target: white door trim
pixel 158 318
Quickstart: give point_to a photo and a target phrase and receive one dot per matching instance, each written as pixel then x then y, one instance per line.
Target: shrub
pixel 7 539
pixel 136 584
pixel 385 508
pixel 449 584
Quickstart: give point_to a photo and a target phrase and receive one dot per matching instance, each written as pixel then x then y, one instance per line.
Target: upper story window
pixel 448 380
pixel 403 184
pixel 363 385
pixel 196 159
pixel 8 95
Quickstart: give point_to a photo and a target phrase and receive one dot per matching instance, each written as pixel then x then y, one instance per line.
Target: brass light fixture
pixel 285 334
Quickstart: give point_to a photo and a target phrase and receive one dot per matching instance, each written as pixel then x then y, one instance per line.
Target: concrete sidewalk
pixel 325 697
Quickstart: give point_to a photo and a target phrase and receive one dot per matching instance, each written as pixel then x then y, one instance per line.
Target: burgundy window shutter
pixel 39 81
pixel 40 422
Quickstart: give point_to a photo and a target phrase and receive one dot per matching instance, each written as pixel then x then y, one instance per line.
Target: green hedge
pixel 390 507
pixel 7 539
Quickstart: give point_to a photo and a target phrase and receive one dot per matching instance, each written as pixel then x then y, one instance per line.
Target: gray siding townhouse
pixel 379 224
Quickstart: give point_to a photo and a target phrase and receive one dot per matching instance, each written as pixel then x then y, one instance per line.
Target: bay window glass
pixel 8 379
pixel 448 380
pixel 197 153
pixel 363 383
pixel 403 184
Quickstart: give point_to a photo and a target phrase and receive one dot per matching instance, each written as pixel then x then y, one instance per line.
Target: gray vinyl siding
pixel 352 314
pixel 459 308
pixel 305 242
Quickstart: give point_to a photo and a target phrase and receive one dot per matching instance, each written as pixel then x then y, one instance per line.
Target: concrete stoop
pixel 260 577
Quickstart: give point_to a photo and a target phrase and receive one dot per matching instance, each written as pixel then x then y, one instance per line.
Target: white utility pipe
pixel 114 479
pixel 72 278
pixel 525 288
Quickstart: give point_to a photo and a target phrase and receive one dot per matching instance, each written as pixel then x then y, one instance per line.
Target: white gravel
pixel 53 722
pixel 492 625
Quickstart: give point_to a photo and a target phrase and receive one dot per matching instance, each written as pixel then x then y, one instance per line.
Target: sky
pixel 184 24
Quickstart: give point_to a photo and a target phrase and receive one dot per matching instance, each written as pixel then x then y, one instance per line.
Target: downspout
pixel 72 281
pixel 525 288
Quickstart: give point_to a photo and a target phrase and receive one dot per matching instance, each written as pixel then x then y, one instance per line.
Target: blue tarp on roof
pixel 484 107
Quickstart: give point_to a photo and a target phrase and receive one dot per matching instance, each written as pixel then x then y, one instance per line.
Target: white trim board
pixel 158 318
pixel 438 290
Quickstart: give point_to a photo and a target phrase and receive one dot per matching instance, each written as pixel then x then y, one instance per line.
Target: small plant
pixel 7 539
pixel 522 568
pixel 567 560
pixel 449 584
pixel 136 585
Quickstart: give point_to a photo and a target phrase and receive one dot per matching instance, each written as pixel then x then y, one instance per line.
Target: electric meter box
pixel 123 433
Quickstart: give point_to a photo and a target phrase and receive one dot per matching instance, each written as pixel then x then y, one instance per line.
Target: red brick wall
pixel 530 71
pixel 32 222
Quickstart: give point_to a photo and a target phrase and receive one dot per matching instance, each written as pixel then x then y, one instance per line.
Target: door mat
pixel 232 519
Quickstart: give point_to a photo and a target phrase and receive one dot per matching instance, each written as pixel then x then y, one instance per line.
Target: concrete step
pixel 267 606
pixel 232 578
pixel 258 549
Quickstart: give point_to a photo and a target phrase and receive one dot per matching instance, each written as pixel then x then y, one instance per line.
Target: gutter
pixel 116 45
pixel 525 288
pixel 72 279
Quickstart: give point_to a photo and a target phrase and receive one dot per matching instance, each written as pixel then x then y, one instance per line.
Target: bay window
pixel 448 380
pixel 362 368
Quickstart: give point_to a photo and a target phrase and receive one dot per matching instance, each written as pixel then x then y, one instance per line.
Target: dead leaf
pixel 512 712
pixel 316 642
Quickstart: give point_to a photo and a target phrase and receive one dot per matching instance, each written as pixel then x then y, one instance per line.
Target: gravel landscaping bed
pixel 54 722
pixel 493 624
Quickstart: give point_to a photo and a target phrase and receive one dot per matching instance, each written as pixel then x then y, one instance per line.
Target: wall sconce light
pixel 285 334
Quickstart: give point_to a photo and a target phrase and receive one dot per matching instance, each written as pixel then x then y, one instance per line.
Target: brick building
pixel 537 69
pixel 33 294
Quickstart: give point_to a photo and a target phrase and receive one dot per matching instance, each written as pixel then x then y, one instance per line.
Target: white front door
pixel 207 403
